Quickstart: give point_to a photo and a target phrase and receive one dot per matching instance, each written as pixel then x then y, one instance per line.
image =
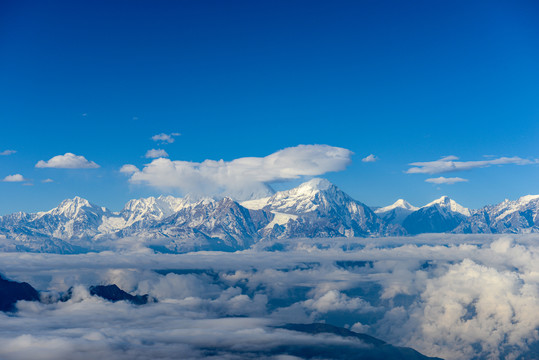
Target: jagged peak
pixel 70 207
pixel 447 203
pixel 400 203
pixel 77 201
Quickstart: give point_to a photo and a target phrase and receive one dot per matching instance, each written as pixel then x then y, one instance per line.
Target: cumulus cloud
pixel 14 178
pixel 155 153
pixel 129 169
pixel 240 178
pixel 47 181
pixel 450 164
pixel 7 152
pixel 444 180
pixel 165 138
pixel 67 161
pixel 370 158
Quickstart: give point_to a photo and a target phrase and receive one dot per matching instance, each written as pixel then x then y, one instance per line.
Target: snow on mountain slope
pixel 225 219
pixel 317 208
pixel 74 218
pixel 450 205
pixel 441 215
pixel 519 216
pixel 396 212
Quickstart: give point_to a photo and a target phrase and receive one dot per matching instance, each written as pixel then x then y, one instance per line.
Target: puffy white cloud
pixel 155 153
pixel 450 164
pixel 67 161
pixel 370 158
pixel 165 138
pixel 14 178
pixel 240 178
pixel 129 169
pixel 444 180
pixel 47 181
pixel 7 152
pixel 334 300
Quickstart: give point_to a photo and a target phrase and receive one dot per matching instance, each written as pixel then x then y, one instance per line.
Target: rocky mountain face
pixel 441 215
pixel 519 216
pixel 316 208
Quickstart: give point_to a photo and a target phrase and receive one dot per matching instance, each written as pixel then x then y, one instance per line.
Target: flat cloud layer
pixel 450 164
pixel 67 161
pixel 444 180
pixel 240 178
pixel 452 296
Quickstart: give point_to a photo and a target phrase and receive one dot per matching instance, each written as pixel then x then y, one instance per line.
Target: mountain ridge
pixel 314 209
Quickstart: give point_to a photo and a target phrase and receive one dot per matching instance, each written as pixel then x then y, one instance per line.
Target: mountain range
pixel 315 209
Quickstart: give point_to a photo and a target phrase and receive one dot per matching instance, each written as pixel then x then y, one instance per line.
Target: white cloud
pixel 14 178
pixel 449 164
pixel 444 180
pixel 47 181
pixel 129 169
pixel 165 138
pixel 370 158
pixel 7 152
pixel 452 296
pixel 67 161
pixel 243 177
pixel 156 153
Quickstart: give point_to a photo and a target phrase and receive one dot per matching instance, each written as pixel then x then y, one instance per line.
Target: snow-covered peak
pixel 399 204
pixel 316 184
pixel 508 207
pixel 306 197
pixel 152 208
pixel 70 207
pixel 528 198
pixel 446 203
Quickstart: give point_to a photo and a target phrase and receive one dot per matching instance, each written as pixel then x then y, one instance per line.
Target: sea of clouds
pixel 451 296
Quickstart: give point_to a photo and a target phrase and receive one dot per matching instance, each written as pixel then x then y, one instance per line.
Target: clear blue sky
pixel 405 81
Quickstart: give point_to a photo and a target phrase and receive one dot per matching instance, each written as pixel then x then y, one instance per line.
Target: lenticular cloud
pixel 241 178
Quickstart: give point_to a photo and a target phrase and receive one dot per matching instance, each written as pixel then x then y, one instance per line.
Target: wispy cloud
pixel 67 161
pixel 47 181
pixel 444 180
pixel 165 138
pixel 14 178
pixel 155 153
pixel 450 164
pixel 7 152
pixel 370 158
pixel 243 177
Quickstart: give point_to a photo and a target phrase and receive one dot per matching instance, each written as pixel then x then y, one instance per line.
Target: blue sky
pixel 406 81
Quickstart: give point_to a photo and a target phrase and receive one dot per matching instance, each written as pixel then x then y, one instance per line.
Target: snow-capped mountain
pixel 317 208
pixel 73 219
pixel 441 215
pixel 519 216
pixel 396 212
pixel 209 224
